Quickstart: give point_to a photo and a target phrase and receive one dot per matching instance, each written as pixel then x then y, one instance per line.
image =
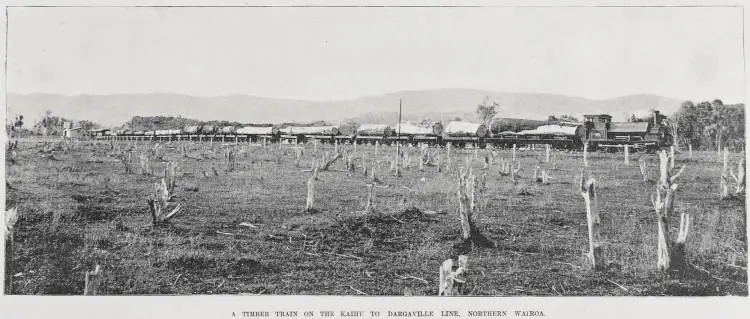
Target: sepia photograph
pixel 375 151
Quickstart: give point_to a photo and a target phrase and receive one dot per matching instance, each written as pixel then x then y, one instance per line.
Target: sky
pixel 341 53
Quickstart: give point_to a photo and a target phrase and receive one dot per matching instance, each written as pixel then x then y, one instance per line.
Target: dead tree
pixel 170 178
pixel 231 160
pixel 467 202
pixel 159 205
pixel 127 162
pixel 310 203
pixel 514 172
pixel 11 217
pixel 370 206
pixel 298 154
pixel 92 281
pixel 670 253
pixel 644 169
pixel 364 164
pixel 144 164
pixel 596 252
pixel 452 280
pixel 585 154
pixel 331 161
pixel 739 179
pixel 671 157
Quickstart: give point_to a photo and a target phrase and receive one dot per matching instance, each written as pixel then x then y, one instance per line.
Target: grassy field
pixel 78 208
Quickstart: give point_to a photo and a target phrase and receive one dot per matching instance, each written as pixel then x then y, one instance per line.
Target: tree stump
pixel 739 179
pixel 309 205
pixel 596 252
pixel 92 281
pixel 670 255
pixel 452 280
pixel 585 154
pixel 644 170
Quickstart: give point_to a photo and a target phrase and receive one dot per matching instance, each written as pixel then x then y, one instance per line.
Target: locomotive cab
pixel 597 126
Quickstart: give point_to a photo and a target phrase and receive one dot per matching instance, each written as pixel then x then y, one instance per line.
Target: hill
pixel 110 110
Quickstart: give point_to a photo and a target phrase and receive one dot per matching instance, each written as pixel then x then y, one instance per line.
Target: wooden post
pixel 596 252
pixel 585 154
pixel 627 154
pixel 377 145
pixel 514 153
pixel 336 146
pixel 451 281
pixel 546 153
pixel 690 150
pixel 92 281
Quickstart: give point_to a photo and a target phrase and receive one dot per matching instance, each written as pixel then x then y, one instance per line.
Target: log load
pixel 194 129
pixel 459 129
pixel 504 125
pixel 256 130
pixel 167 132
pixel 408 128
pixel 209 129
pixel 312 130
pixel 375 130
pixel 228 129
pixel 554 129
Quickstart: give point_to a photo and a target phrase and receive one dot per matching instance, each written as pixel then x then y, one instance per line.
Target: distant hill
pixel 112 110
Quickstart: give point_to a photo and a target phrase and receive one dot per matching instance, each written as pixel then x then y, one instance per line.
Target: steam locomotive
pixel 597 132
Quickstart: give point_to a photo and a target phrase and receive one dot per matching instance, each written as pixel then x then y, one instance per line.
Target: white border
pixel 224 306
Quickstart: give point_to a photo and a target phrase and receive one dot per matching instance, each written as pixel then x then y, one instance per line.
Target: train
pixel 597 133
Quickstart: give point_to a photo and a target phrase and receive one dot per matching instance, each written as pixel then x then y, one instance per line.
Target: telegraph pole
pixel 398 140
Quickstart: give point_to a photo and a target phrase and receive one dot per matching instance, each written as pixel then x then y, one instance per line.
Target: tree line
pixel 710 125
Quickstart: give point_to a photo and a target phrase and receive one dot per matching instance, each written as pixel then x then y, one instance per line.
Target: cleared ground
pixel 78 208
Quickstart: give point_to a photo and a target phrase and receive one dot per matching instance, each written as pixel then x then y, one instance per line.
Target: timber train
pixel 597 132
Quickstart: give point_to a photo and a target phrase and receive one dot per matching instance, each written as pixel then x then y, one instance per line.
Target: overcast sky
pixel 340 53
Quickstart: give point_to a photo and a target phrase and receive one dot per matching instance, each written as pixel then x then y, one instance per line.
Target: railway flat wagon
pixel 371 133
pixel 461 133
pixel 301 134
pixel 258 133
